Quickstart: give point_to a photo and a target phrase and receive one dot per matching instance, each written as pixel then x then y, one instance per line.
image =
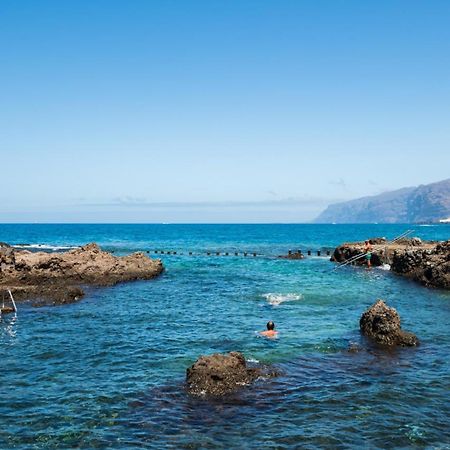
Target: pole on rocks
pixel 12 299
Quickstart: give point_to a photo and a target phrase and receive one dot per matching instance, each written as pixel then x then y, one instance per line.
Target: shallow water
pixel 108 372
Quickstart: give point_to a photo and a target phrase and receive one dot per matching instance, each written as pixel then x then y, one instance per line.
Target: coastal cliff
pixel 426 262
pixel 55 278
pixel 421 204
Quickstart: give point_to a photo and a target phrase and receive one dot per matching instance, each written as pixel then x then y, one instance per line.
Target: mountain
pixel 424 203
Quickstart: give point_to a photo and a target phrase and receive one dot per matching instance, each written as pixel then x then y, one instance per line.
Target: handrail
pixel 12 299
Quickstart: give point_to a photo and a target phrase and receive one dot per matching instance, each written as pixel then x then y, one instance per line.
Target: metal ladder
pixel 12 301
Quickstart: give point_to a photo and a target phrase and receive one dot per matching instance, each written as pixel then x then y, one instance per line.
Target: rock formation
pixel 58 277
pixel 349 250
pixel 431 267
pixel 219 374
pixel 382 324
pixel 427 262
pixel 293 255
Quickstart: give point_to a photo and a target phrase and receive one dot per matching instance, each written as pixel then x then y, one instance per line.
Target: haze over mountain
pixel 424 203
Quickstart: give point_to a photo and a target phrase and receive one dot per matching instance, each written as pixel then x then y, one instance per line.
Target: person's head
pixel 270 326
pixel 367 242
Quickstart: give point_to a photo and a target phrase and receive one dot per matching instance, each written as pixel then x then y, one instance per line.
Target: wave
pixel 252 360
pixel 46 246
pixel 275 299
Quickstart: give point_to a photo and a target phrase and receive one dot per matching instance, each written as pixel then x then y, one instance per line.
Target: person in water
pixel 368 250
pixel 270 332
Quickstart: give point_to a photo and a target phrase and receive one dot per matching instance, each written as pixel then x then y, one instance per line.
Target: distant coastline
pixel 424 204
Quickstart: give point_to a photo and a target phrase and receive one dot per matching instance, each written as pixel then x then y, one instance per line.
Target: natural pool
pixel 108 372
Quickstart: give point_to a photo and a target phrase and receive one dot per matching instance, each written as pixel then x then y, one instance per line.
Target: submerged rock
pixel 293 255
pixel 219 374
pixel 6 309
pixel 56 278
pixel 382 324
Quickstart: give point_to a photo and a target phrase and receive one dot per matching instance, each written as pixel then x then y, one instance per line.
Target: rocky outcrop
pixel 293 255
pixel 219 374
pixel 427 262
pixel 350 250
pixel 55 278
pixel 382 324
pixel 429 266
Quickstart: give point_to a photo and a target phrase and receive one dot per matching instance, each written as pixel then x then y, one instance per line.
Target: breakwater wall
pixel 325 252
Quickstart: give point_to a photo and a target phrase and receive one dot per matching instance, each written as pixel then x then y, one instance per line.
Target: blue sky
pixel 217 111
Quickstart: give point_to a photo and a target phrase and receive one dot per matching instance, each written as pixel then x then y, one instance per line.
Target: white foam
pixel 252 360
pixel 276 299
pixel 46 246
pixel 384 267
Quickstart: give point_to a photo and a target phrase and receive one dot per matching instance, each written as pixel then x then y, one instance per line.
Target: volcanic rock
pixel 427 262
pixel 429 266
pixel 349 250
pixel 58 277
pixel 382 324
pixel 219 374
pixel 296 255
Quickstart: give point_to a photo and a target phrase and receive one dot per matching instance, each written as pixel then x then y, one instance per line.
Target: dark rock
pixel 219 374
pixel 354 348
pixel 296 255
pixel 378 241
pixel 55 294
pixel 382 324
pixel 410 242
pixel 56 278
pixel 6 309
pixel 427 262
pixel 350 250
pixel 428 266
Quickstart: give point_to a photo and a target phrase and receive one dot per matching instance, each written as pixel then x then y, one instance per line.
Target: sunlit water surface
pixel 108 372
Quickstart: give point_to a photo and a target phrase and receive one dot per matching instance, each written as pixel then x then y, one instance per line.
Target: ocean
pixel 109 371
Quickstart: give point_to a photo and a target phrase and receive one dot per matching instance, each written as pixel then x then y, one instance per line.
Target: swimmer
pixel 270 332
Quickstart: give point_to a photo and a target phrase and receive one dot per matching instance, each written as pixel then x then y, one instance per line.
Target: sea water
pixel 109 371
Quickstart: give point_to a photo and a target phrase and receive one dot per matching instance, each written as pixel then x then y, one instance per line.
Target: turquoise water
pixel 108 372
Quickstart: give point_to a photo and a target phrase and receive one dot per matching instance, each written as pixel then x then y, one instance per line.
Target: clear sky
pixel 217 111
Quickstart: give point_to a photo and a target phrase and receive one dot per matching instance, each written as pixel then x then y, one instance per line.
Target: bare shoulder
pixel 269 333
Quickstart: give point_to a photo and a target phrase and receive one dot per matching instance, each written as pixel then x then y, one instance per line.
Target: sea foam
pixel 276 299
pixel 45 246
